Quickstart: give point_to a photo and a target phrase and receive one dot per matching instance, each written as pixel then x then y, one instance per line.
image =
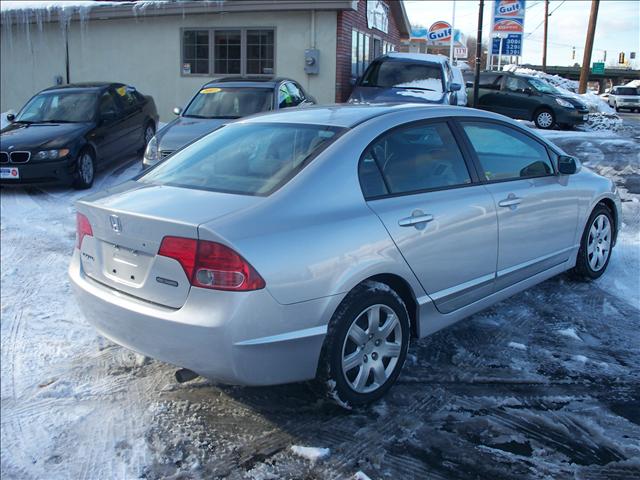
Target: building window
pixel 259 52
pixel 360 53
pixel 228 52
pixel 227 55
pixel 195 51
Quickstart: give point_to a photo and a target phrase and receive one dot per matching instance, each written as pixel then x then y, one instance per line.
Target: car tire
pixel 354 373
pixel 85 168
pixel 147 134
pixel 544 119
pixel 596 244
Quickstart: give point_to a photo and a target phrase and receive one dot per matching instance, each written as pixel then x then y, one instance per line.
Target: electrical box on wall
pixel 312 61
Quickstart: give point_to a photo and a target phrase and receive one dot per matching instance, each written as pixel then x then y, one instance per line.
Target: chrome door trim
pixel 517 273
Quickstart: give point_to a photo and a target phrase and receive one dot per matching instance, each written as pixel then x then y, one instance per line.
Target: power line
pixel 540 24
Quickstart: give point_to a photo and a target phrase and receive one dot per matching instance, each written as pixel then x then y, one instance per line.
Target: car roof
pixel 416 57
pixel 84 86
pixel 350 115
pixel 255 82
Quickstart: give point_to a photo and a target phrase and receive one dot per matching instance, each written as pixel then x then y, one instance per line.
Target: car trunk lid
pixel 128 224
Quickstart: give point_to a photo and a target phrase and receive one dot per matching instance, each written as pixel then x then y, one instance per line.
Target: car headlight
pixel 563 103
pixel 151 152
pixel 52 154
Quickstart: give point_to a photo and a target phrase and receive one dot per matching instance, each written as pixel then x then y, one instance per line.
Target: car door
pixel 444 223
pixel 517 99
pixel 133 118
pixel 537 209
pixel 489 92
pixel 109 132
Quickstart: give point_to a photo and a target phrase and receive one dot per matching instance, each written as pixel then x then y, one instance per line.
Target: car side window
pixel 490 81
pixel 515 84
pixel 108 107
pixel 127 97
pixel 506 154
pixel 412 159
pixel 284 97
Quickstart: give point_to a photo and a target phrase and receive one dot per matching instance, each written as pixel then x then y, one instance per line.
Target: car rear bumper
pixel 244 338
pixel 34 172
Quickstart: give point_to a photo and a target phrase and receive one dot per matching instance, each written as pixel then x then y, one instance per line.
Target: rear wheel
pixel 596 244
pixel 85 169
pixel 366 345
pixel 544 119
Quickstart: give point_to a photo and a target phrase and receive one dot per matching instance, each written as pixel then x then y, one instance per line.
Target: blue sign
pixel 512 45
pixel 508 8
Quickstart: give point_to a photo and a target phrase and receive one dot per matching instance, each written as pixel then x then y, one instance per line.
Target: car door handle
pixel 415 220
pixel 510 202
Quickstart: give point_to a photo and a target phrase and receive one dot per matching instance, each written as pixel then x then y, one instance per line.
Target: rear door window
pixel 506 154
pixel 244 158
pixel 412 159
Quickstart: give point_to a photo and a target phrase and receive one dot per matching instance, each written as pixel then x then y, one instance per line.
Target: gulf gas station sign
pixel 507 26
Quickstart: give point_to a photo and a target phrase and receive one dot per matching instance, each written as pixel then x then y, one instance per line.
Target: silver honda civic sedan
pixel 314 244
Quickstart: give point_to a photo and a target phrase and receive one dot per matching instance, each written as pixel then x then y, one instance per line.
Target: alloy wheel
pixel 599 242
pixel 86 168
pixel 371 348
pixel 545 119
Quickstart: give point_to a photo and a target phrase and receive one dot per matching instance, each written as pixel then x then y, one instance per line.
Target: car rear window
pixel 244 158
pixel 229 102
pixel 403 74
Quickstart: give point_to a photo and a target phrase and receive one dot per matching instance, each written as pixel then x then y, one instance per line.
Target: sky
pixel 617 28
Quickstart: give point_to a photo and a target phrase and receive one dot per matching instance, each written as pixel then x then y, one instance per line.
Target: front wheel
pixel 366 345
pixel 85 170
pixel 544 119
pixel 596 244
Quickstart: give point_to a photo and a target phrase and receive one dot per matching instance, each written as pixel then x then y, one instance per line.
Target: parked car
pixel 461 95
pixel 407 77
pixel 219 102
pixel 65 133
pixel 528 98
pixel 223 260
pixel 624 97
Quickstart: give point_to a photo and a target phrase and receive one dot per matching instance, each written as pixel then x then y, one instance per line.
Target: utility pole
pixel 546 30
pixel 453 31
pixel 588 47
pixel 476 80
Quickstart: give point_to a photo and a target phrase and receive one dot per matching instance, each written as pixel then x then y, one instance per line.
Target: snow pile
pixel 567 87
pixel 311 453
pixel 517 346
pixel 602 121
pixel 570 332
pixel 633 83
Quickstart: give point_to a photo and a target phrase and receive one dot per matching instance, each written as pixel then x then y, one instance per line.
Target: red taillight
pixel 83 228
pixel 211 264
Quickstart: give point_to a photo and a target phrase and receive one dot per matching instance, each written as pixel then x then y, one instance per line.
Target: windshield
pixel 542 86
pixel 249 159
pixel 229 102
pixel 59 107
pixel 627 91
pixel 400 74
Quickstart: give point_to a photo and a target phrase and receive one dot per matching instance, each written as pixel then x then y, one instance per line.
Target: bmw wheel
pixel 544 119
pixel 366 345
pixel 596 244
pixel 85 170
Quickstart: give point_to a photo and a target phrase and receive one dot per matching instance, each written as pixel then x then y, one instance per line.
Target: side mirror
pixel 469 84
pixel 107 117
pixel 353 81
pixel 177 110
pixel 11 116
pixel 455 87
pixel 567 165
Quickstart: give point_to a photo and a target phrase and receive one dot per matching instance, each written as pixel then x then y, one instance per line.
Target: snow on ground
pixel 312 454
pixel 75 405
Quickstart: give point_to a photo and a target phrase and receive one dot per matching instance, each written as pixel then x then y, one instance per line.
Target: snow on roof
pixel 421 57
pixel 7 5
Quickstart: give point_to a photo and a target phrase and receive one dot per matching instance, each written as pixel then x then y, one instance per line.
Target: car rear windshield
pixel 60 107
pixel 244 158
pixel 229 102
pixel 627 91
pixel 391 73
